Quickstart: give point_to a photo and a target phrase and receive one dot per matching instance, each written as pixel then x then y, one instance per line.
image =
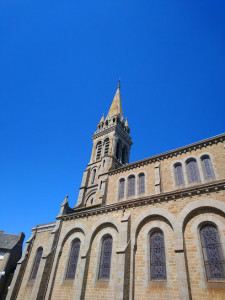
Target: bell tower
pixel 111 150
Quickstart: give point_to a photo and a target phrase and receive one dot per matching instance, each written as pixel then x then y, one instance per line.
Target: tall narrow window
pixel 99 150
pixel 118 150
pixel 93 176
pixel 212 253
pixel 36 264
pixel 157 256
pixel 142 183
pixel 72 265
pixel 192 169
pixel 106 146
pixel 131 185
pixel 178 171
pixel 105 260
pixel 124 155
pixel 207 167
pixel 121 188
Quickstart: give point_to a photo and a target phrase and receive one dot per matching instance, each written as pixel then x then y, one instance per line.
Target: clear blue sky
pixel 59 67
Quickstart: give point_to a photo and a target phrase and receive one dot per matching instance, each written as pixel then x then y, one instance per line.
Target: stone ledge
pixel 132 203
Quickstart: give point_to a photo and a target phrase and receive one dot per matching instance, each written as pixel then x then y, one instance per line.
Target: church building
pixel 147 230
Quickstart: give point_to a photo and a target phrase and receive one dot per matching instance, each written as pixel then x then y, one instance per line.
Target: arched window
pixel 118 150
pixel 207 167
pixel 157 256
pixel 178 171
pixel 212 253
pixel 142 183
pixel 74 254
pixel 106 146
pixel 121 188
pixel 131 185
pixel 93 176
pixel 105 260
pixel 36 264
pixel 124 155
pixel 99 150
pixel 192 170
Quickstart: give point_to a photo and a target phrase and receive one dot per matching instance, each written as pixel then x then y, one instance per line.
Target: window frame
pixel 187 161
pixel 132 176
pixel 201 226
pixel 103 239
pixel 202 157
pixel 151 233
pixel 69 259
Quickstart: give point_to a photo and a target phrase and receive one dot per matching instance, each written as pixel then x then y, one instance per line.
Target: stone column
pixel 114 145
pixel 157 179
pixel 182 277
pixel 121 282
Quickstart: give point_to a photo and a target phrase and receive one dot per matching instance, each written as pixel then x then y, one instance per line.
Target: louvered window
pixel 142 183
pixel 72 265
pixel 99 150
pixel 106 147
pixel 157 256
pixel 36 263
pixel 192 168
pixel 105 261
pixel 207 167
pixel 118 150
pixel 212 253
pixel 124 155
pixel 131 185
pixel 179 177
pixel 121 188
pixel 93 176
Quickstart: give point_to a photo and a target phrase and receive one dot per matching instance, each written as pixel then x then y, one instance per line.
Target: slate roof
pixel 8 241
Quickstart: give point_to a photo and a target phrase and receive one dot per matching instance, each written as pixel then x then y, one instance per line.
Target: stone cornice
pixel 206 188
pixel 117 128
pixel 171 153
pixel 43 227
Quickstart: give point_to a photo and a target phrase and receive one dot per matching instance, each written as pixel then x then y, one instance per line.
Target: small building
pixel 10 253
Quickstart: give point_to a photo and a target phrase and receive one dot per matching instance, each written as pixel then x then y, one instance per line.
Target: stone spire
pixel 116 106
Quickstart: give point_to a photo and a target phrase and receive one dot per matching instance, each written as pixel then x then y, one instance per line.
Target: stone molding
pixel 168 196
pixel 43 227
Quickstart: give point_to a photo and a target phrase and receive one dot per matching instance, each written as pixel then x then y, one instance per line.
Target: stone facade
pixel 130 217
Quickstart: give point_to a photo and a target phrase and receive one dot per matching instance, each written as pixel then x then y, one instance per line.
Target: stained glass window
pixel 179 177
pixel 131 185
pixel 105 261
pixel 192 168
pixel 121 188
pixel 106 146
pixel 72 265
pixel 212 253
pixel 36 263
pixel 142 183
pixel 157 256
pixel 207 167
pixel 99 150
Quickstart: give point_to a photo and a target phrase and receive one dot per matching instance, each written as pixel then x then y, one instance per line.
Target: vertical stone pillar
pixel 157 179
pixel 114 145
pixel 181 265
pixel 182 276
pixel 121 280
